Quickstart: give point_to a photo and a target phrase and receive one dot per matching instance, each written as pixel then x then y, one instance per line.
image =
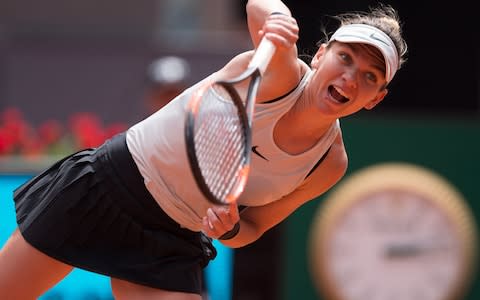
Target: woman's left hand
pixel 220 219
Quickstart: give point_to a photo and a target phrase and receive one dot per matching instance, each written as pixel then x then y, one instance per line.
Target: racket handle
pixel 262 56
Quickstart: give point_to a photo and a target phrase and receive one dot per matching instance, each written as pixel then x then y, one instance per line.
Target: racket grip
pixel 262 56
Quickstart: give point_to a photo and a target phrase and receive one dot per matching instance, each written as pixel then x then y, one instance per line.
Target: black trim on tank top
pixel 283 96
pixel 241 208
pixel 319 162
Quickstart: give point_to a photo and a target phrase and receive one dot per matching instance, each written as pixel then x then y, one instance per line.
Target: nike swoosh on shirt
pixel 254 150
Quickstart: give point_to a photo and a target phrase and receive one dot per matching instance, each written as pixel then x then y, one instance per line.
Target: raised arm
pixel 273 19
pixel 257 13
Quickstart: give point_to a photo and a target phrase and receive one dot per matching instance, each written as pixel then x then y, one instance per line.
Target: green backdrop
pixel 449 146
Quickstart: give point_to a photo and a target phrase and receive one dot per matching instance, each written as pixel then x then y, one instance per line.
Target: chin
pixel 328 110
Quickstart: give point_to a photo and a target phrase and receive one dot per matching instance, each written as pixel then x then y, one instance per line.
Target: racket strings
pixel 214 166
pixel 219 173
pixel 219 142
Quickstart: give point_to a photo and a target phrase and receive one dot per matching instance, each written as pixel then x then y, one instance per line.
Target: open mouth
pixel 337 95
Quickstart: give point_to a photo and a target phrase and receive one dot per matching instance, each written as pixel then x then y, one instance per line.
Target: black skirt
pixel 91 210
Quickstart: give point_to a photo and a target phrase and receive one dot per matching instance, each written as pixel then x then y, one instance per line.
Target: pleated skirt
pixel 91 210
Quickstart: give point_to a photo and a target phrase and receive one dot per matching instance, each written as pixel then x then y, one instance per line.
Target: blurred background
pixel 73 73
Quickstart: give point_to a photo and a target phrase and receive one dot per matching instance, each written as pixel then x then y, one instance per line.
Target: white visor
pixel 366 34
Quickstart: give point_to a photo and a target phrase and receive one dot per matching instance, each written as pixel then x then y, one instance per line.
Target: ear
pixel 320 52
pixel 377 99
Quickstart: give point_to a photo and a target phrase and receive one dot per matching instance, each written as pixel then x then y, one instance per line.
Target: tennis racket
pixel 218 130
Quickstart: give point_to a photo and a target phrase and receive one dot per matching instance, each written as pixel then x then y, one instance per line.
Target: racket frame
pixel 255 70
pixel 191 148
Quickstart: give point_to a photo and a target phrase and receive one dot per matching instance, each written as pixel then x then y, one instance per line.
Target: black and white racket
pixel 218 130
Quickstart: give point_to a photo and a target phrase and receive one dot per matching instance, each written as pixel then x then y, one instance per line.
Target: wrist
pixel 232 233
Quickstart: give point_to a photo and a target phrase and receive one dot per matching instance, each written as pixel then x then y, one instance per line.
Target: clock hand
pixel 401 251
pixel 411 249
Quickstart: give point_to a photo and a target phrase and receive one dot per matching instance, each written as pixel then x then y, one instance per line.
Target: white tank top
pixel 158 148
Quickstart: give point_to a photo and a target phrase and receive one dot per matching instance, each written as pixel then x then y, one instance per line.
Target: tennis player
pixel 130 209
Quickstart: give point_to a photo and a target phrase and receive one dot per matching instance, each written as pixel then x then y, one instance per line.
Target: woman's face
pixel 347 78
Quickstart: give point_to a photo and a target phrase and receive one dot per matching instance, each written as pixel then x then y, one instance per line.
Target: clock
pixel 393 231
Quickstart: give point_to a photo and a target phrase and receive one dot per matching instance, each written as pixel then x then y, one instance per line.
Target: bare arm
pixel 284 71
pixel 257 13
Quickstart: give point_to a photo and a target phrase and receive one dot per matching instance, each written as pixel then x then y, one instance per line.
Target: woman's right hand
pixel 280 29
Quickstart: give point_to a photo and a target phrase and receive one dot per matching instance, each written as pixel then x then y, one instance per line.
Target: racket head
pixel 218 141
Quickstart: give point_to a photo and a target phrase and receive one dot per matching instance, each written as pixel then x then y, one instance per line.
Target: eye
pixel 345 57
pixel 371 77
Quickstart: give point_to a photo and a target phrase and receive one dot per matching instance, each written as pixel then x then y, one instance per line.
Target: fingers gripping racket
pixel 218 131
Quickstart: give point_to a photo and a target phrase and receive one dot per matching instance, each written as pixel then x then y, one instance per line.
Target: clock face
pixel 397 239
pixel 380 240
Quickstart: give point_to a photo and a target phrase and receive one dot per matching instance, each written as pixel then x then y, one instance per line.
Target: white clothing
pixel 158 148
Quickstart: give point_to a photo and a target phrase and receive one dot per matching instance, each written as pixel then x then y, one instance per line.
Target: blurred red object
pixel 51 137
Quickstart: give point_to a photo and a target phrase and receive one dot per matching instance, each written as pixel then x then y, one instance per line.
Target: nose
pixel 350 76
